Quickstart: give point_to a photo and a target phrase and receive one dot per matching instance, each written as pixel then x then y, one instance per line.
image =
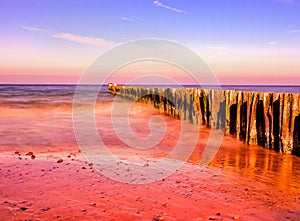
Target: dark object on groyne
pixel 113 88
pixel 270 120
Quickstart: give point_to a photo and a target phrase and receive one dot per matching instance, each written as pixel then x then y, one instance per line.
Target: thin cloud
pixel 272 43
pixel 131 19
pixel 159 4
pixel 295 31
pixel 34 29
pixel 127 19
pixel 73 37
pixel 83 39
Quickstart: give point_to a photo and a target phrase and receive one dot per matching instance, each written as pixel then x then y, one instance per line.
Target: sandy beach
pixel 43 189
pixel 59 183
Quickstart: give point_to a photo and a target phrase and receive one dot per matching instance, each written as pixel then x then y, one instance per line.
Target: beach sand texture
pixel 45 176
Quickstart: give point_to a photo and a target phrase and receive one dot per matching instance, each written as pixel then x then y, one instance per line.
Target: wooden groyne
pixel 270 120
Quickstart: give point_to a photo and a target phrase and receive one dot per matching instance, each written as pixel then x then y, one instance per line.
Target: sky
pixel 242 41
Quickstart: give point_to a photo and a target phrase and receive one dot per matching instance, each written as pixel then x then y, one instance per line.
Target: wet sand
pixel 241 183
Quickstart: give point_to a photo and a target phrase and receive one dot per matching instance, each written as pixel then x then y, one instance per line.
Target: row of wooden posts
pixel 271 120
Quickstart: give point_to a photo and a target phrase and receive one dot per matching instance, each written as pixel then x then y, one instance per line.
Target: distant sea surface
pixel 27 95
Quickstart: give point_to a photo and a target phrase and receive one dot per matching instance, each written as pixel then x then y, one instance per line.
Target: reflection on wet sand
pixel 259 164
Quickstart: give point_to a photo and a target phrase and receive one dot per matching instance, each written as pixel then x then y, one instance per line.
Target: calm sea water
pixel 63 94
pixel 26 95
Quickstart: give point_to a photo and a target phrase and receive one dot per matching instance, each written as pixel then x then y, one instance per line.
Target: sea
pixel 44 94
pixel 39 117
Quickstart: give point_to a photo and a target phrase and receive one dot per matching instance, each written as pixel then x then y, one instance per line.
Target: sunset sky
pixel 243 41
